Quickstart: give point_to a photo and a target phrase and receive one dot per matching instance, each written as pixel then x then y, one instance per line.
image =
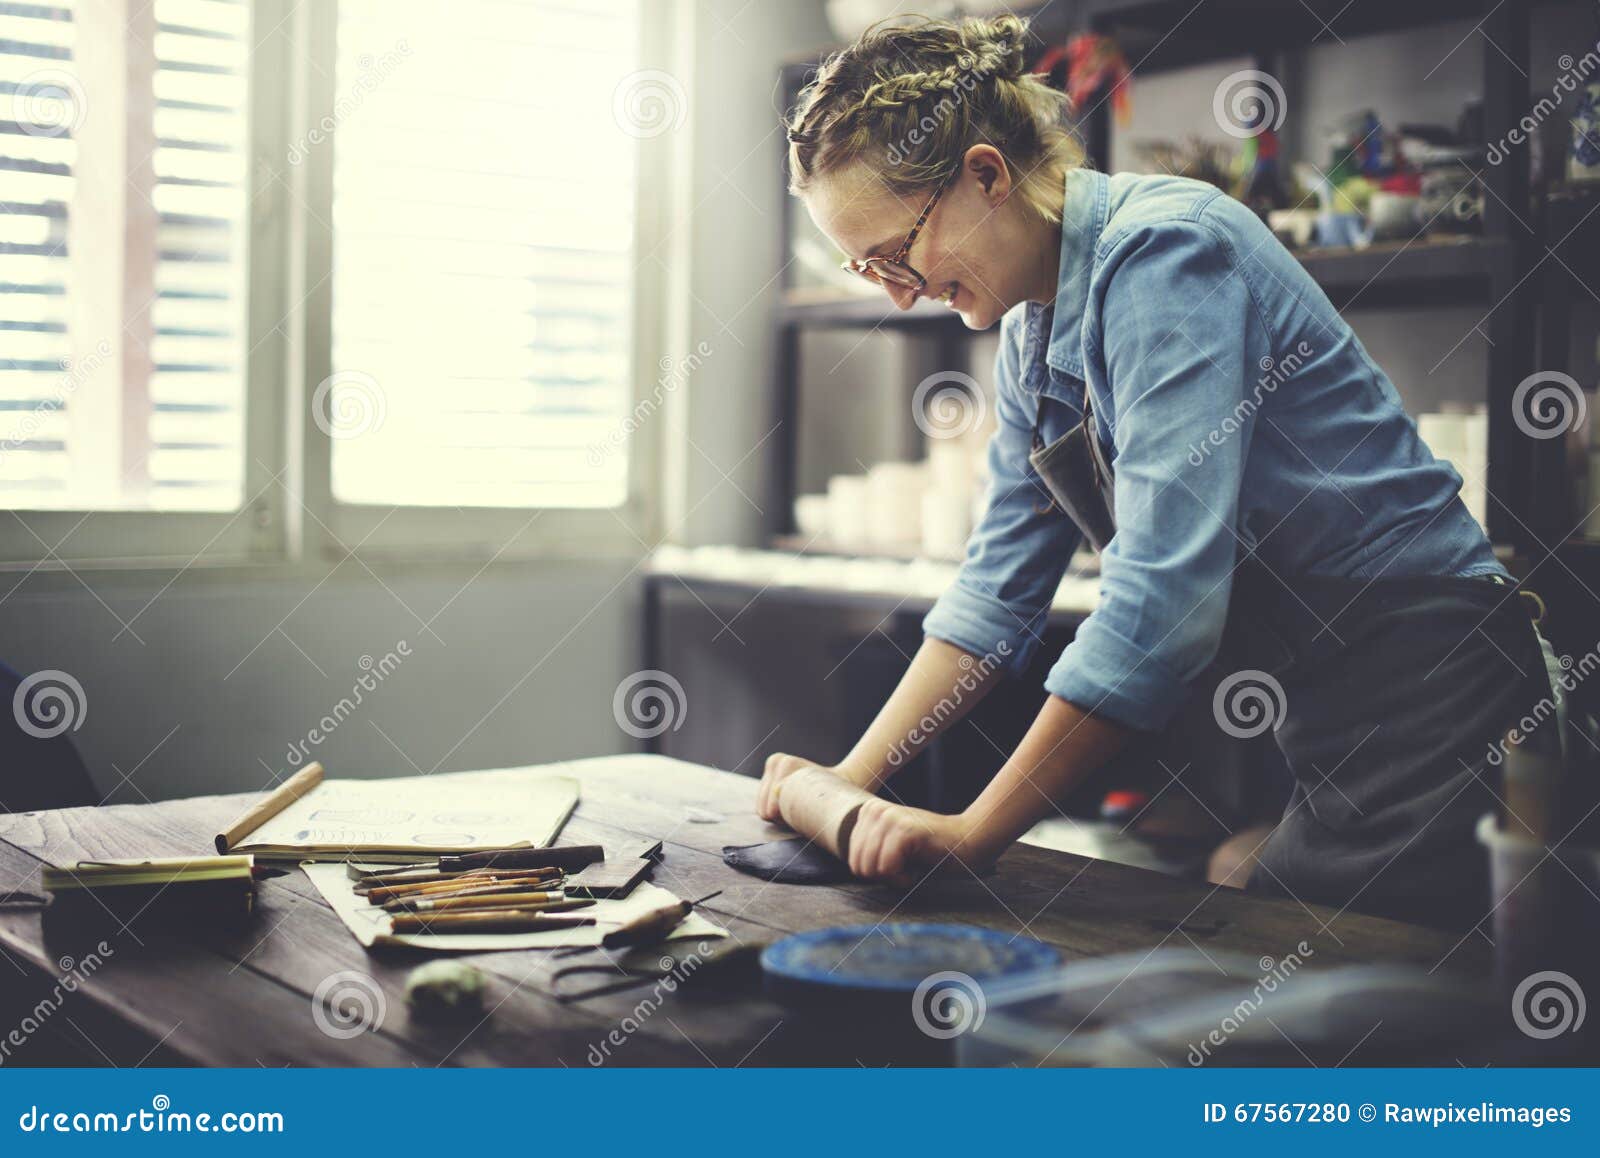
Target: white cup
pixel 946 523
pixel 811 515
pixel 847 510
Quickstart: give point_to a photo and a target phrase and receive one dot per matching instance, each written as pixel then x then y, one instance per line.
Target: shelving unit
pixel 1493 270
pixel 1487 270
pixel 1571 218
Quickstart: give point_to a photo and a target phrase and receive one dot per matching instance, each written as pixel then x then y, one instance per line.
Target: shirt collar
pixel 1083 218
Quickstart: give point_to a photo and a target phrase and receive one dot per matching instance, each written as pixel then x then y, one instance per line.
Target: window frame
pixel 288 514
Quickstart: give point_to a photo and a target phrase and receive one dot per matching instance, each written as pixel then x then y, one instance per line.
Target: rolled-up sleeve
pixel 1017 555
pixel 1183 347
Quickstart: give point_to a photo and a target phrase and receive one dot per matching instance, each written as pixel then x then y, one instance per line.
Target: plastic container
pixel 1546 914
pixel 1183 1008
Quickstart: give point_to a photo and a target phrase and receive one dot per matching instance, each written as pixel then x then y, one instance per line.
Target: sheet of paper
pixel 370 924
pixel 502 808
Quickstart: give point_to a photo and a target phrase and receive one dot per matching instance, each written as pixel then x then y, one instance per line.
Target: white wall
pixel 733 249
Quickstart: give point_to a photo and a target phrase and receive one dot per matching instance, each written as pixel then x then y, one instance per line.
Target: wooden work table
pixel 244 997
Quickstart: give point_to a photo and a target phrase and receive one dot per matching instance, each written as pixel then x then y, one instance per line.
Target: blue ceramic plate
pixel 900 957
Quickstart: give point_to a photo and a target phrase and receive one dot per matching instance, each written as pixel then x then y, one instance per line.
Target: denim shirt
pixel 1241 417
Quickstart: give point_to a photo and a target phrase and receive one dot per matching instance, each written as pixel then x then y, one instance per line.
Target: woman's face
pixel 975 249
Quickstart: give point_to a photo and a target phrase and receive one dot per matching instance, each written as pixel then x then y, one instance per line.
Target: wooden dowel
pixel 273 803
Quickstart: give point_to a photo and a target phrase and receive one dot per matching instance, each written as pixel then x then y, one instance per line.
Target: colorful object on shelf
pixel 1260 174
pixel 1583 158
pixel 1123 804
pixel 1093 64
pixel 1194 157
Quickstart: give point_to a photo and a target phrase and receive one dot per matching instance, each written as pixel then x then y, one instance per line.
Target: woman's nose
pixel 904 297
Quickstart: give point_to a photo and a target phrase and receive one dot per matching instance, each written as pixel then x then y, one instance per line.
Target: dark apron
pixel 1382 696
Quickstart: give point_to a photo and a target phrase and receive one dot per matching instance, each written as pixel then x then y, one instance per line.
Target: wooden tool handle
pixel 573 856
pixel 273 803
pixel 508 899
pixel 511 921
pixel 822 806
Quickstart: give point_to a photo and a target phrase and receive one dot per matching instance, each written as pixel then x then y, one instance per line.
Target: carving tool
pixel 568 857
pixel 509 921
pixel 647 928
pixel 468 901
pixel 381 893
pixel 574 856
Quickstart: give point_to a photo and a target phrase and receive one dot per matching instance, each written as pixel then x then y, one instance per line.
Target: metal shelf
pixel 744 591
pixel 1159 35
pixel 1450 269
pixel 841 311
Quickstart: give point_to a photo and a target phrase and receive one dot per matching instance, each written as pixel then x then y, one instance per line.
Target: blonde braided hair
pixel 911 99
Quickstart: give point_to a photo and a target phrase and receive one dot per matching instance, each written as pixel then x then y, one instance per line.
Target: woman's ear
pixel 988 165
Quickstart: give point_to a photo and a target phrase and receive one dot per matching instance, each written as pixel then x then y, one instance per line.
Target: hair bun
pixel 1001 40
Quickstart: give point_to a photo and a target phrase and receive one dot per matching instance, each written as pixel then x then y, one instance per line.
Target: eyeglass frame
pixel 867 267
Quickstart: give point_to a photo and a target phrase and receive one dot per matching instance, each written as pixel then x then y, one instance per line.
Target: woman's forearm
pixel 941 685
pixel 1063 746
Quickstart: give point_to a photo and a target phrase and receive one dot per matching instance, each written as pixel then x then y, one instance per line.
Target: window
pixel 122 257
pixel 483 254
pixel 287 281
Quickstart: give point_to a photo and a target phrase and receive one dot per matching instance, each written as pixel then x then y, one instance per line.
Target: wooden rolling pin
pixel 822 806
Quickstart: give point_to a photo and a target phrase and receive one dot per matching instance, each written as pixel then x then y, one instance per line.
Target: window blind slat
pixel 194 442
pixel 482 274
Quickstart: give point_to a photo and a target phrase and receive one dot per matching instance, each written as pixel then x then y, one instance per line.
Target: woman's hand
pixel 780 766
pixel 896 843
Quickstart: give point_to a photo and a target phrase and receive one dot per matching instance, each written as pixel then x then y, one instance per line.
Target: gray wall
pixel 220 674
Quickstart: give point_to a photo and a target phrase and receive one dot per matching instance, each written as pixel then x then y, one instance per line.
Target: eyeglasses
pixel 893 270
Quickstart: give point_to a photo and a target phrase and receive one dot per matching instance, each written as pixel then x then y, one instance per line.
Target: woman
pixel 1172 385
